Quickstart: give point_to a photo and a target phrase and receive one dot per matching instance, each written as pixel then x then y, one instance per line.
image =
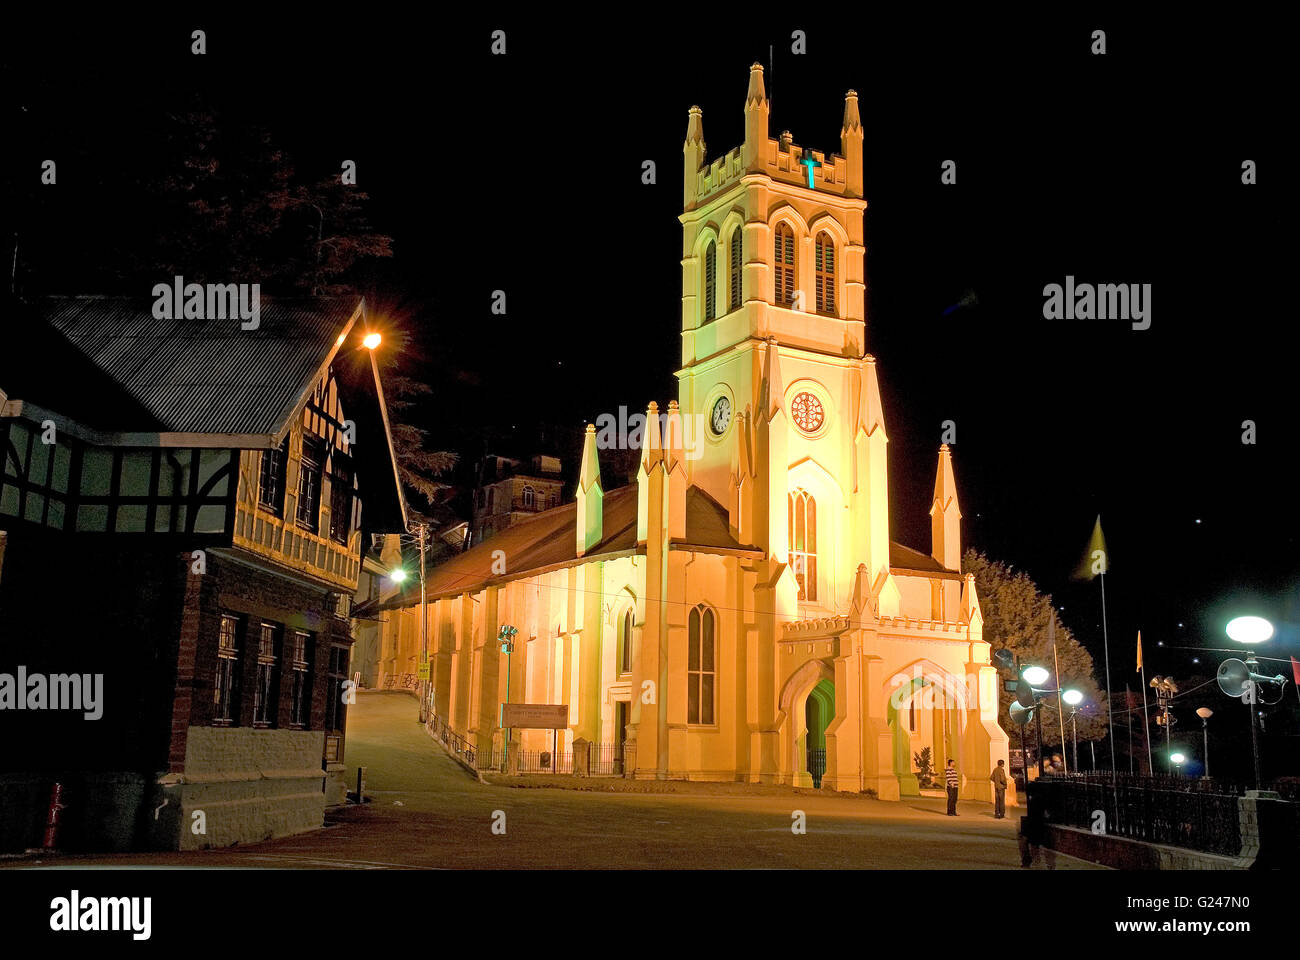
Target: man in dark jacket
pixel 999 778
pixel 950 778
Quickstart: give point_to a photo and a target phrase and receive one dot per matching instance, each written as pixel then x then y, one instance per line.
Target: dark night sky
pixel 495 173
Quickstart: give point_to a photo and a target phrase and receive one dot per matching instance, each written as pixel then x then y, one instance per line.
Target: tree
pixel 233 209
pixel 1016 616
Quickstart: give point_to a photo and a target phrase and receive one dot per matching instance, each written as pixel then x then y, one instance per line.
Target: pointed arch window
pixel 783 265
pixel 625 644
pixel 803 542
pixel 701 671
pixel 734 266
pixel 710 281
pixel 825 272
pixel 530 497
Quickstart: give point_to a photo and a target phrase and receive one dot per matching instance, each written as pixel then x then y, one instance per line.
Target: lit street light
pixel 1205 713
pixel 1074 698
pixel 372 340
pixel 1251 630
pixel 1037 676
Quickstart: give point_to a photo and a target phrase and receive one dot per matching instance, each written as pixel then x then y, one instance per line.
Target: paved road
pixel 428 811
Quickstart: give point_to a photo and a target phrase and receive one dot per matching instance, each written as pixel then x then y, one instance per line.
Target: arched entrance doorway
pixel 924 714
pixel 799 719
pixel 819 710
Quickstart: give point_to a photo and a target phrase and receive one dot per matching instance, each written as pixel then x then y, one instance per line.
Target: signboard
pixel 422 671
pixel 546 716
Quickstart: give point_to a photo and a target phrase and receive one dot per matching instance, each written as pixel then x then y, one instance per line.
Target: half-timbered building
pixel 182 508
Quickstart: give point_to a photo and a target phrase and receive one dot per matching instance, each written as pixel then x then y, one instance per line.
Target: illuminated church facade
pixel 740 613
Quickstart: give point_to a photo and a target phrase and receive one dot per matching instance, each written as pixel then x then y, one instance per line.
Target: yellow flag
pixel 1096 560
pixel 1139 666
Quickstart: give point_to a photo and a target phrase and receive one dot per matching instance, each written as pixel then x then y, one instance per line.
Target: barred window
pixel 266 695
pixel 225 687
pixel 300 652
pixel 270 491
pixel 710 281
pixel 700 670
pixel 825 273
pixel 803 542
pixel 783 265
pixel 735 266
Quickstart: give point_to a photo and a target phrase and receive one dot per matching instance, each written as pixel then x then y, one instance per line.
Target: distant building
pixel 510 490
pixel 181 516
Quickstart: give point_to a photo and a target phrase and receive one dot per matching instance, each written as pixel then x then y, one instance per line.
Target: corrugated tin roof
pixel 196 376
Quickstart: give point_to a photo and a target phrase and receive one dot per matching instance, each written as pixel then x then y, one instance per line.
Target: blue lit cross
pixel 809 162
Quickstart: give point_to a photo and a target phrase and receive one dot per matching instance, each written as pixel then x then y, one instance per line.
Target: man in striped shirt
pixel 950 777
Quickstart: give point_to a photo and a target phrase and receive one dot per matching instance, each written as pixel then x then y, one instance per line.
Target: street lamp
pixel 1205 713
pixel 1177 760
pixel 1036 676
pixel 397 576
pixel 371 340
pixel 506 637
pixel 1250 630
pixel 1074 698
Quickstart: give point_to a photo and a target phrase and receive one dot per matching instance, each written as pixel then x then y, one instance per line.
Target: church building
pixel 740 613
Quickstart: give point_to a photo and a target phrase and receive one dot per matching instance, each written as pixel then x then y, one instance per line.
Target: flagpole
pixel 1060 711
pixel 1146 720
pixel 1128 714
pixel 1105 638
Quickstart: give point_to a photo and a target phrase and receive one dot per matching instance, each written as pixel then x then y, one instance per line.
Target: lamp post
pixel 1036 677
pixel 1205 713
pixel 1251 630
pixel 507 639
pixel 1177 760
pixel 1074 698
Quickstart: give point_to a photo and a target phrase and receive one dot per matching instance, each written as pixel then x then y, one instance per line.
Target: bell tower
pixel 775 381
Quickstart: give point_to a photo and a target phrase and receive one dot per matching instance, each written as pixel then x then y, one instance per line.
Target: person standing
pixel 950 778
pixel 999 778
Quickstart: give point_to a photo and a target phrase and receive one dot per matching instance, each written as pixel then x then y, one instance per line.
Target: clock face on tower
pixel 807 413
pixel 721 416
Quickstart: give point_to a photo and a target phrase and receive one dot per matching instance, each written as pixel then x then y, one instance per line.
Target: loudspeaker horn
pixel 1021 714
pixel 1233 676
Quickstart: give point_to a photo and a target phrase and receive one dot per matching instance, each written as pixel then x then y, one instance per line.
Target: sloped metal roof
pixel 194 376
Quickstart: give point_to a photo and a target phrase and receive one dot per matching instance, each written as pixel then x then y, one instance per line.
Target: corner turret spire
pixel 591 498
pixel 945 515
pixel 754 153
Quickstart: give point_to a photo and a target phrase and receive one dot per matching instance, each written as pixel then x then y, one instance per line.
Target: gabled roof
pixel 131 373
pixel 112 374
pixel 549 540
pixel 905 560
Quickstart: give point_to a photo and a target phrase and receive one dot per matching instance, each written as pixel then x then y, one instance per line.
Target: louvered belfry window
pixel 783 262
pixel 825 272
pixel 710 281
pixel 735 266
